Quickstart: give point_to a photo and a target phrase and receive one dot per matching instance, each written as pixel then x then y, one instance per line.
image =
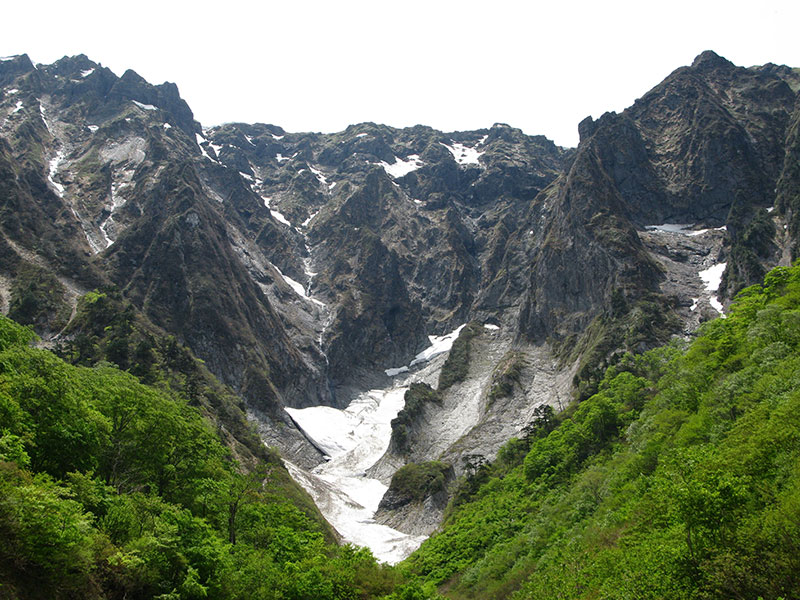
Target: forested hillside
pixel 680 478
pixel 113 489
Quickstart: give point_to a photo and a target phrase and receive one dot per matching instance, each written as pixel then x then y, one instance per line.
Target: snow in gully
pixel 353 440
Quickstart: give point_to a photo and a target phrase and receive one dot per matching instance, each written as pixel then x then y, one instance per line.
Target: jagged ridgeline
pixel 241 269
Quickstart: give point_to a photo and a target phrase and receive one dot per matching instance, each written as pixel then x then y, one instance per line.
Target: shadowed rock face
pixel 704 147
pixel 298 263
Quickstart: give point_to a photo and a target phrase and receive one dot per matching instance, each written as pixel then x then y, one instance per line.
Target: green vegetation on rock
pixel 456 366
pixel 679 478
pixel 415 482
pixel 416 397
pixel 110 488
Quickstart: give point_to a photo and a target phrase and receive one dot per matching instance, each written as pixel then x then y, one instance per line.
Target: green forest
pixel 679 478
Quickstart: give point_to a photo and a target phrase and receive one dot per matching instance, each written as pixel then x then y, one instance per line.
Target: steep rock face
pixel 704 148
pixel 397 229
pixel 788 189
pixel 105 182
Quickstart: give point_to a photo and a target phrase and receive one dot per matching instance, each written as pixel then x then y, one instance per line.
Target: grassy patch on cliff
pixel 456 366
pixel 416 397
pixel 415 482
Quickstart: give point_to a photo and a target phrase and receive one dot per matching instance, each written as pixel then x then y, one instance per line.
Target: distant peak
pixel 710 60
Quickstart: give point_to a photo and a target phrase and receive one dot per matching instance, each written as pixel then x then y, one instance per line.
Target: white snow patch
pixel 716 304
pixel 144 106
pixel 54 164
pixel 279 217
pixel 246 176
pixel 12 91
pixel 683 228
pixel 44 118
pixel 712 277
pixel 491 327
pixel 249 139
pixel 462 154
pixel 167 126
pixel 295 285
pixel 770 209
pixel 482 141
pixel 17 108
pixel 277 137
pixel 402 167
pixel 694 305
pixel 439 344
pixel 396 371
pixel 200 141
pixel 354 438
pixel 309 219
pixel 275 214
pixel 92 128
pixel 281 158
pixel 320 176
pixel 87 72
pixel 360 135
pixel 6 58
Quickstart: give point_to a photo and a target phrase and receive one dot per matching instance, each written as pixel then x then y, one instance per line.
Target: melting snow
pixel 12 91
pixel 354 439
pixel 54 164
pixel 770 209
pixel 462 154
pixel 712 277
pixel 396 371
pixel 167 126
pixel 92 128
pixel 280 158
pixel 439 345
pixel 319 174
pixel 491 327
pixel 277 137
pixel 249 139
pixel 246 176
pixel 278 216
pixel 17 108
pixel 402 167
pixel 200 141
pixel 360 135
pixel 309 219
pixel 683 229
pixel 144 106
pixel 87 72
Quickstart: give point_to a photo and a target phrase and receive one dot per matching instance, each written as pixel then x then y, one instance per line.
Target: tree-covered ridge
pixel 113 489
pixel 680 478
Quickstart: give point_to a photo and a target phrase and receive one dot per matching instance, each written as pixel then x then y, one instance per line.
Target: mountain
pixel 299 267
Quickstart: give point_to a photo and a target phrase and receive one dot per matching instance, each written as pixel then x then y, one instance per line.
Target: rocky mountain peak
pixel 709 60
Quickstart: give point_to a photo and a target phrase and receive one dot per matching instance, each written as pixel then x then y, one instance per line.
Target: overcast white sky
pixel 453 65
